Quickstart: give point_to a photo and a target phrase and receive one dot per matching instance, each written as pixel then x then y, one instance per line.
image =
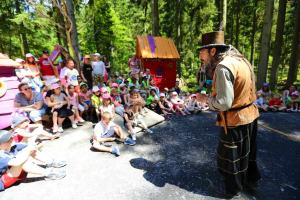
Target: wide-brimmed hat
pixel 97 54
pixel 20 60
pixel 103 89
pixel 106 96
pixel 5 136
pixel 55 86
pixel 17 119
pixel 29 55
pixel 83 84
pixel 95 88
pixel 114 85
pixel 213 39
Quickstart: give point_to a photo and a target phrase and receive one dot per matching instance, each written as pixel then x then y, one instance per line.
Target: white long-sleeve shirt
pixel 225 92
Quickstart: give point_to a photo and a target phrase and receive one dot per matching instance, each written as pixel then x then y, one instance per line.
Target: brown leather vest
pixel 242 111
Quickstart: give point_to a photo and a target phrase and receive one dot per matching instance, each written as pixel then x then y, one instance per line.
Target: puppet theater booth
pixel 160 55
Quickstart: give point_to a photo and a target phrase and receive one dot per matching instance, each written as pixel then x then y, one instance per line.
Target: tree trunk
pixel 265 43
pixel 155 18
pixel 253 31
pixel 224 15
pixel 278 43
pixel 60 26
pixel 73 36
pixel 295 55
pixel 23 37
pixel 237 25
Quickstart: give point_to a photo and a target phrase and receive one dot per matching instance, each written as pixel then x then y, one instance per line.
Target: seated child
pixel 17 160
pixel 61 109
pixel 74 102
pixel 26 132
pixel 117 101
pixel 132 120
pixel 107 131
pixel 165 107
pixel 178 104
pixel 202 100
pixel 192 104
pixel 136 100
pixel 276 103
pixel 295 105
pixel 287 100
pixel 152 100
pixel 107 105
pixel 263 97
pixel 96 100
pixel 85 96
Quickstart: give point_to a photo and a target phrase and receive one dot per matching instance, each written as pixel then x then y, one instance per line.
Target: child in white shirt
pixel 71 75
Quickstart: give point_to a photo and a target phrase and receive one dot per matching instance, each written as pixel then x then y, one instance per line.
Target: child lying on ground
pixel 107 131
pixel 17 159
pixel 26 132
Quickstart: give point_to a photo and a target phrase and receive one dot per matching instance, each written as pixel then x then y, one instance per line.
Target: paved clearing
pixel 176 162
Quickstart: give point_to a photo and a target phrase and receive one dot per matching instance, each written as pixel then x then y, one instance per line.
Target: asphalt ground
pixel 177 161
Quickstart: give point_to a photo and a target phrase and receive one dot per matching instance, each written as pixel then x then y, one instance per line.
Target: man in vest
pixel 233 95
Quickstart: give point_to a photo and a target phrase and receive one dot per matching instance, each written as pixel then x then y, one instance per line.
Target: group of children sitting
pixel 289 101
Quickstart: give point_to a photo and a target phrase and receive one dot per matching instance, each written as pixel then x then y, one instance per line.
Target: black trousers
pixel 236 157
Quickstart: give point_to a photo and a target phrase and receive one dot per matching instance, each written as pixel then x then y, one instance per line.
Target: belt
pixel 241 107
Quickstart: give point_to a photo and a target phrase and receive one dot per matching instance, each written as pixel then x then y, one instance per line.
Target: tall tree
pixel 23 37
pixel 224 15
pixel 72 30
pixel 295 55
pixel 253 31
pixel 237 25
pixel 60 25
pixel 265 43
pixel 155 18
pixel 278 43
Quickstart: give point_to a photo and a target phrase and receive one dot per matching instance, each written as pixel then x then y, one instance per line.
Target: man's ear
pixel 212 51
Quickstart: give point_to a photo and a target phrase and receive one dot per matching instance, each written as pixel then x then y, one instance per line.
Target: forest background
pixel 267 32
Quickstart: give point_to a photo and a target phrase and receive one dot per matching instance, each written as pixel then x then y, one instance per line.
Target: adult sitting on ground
pixel 16 160
pixel 30 102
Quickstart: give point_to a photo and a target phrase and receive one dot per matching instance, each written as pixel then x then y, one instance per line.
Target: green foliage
pixel 110 27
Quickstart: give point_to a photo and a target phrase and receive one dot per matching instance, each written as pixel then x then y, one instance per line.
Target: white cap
pixel 20 60
pixel 97 54
pixel 162 95
pixel 95 88
pixel 28 55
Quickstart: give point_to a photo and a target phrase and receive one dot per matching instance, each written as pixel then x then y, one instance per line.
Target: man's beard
pixel 210 68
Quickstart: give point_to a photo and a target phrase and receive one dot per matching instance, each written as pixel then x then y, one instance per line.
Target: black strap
pixel 240 108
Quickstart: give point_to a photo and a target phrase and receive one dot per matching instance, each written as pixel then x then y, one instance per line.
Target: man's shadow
pixel 199 179
pixel 185 157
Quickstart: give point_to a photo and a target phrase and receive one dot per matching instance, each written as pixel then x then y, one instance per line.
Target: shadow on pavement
pixel 184 156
